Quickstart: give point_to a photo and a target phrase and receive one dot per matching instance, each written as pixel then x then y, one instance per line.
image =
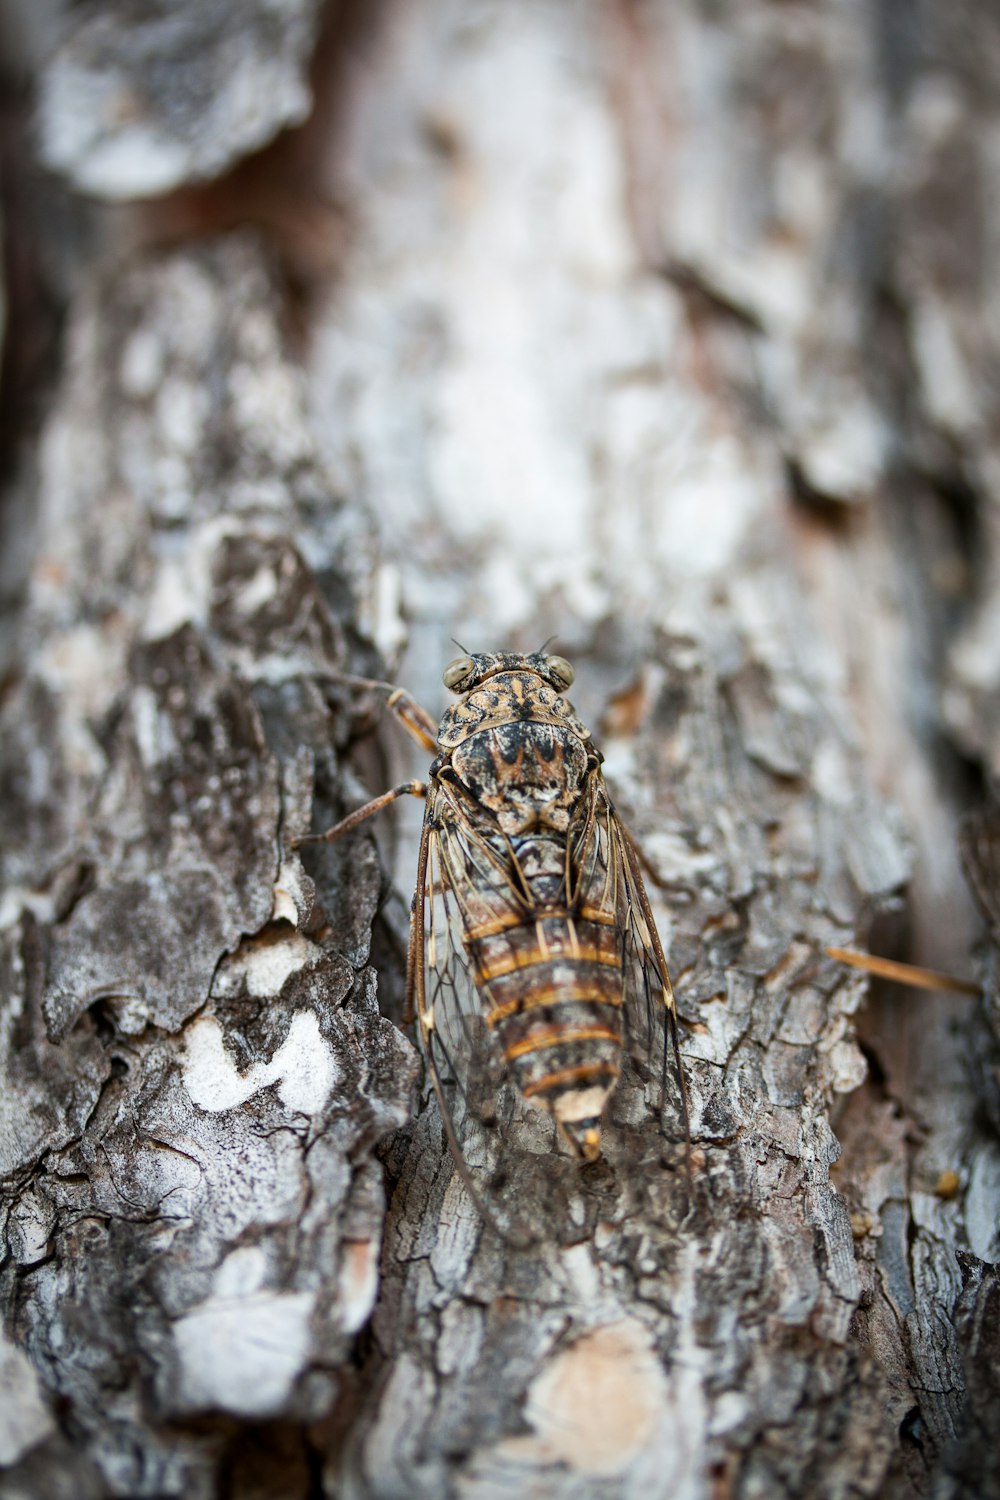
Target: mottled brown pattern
pixel 527 873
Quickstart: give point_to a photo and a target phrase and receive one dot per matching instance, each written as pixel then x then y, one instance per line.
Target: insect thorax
pixel 520 750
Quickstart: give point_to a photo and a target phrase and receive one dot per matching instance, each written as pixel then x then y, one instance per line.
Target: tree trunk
pixel 663 328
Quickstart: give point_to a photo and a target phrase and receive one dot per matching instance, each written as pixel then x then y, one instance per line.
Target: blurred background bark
pixel 331 333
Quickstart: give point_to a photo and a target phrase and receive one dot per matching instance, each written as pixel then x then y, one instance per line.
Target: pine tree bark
pixel 663 329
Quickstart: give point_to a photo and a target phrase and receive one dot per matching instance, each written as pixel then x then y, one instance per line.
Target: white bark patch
pixel 583 1274
pixel 243 1348
pixel 16 900
pixel 141 366
pixel 24 1417
pixel 981 1199
pixel 113 119
pixel 260 590
pixel 267 966
pixel 581 1104
pixel 386 620
pixel 948 380
pixel 303 1068
pixel 83 667
pixel 153 736
pixel 848 1069
pixel 596 1406
pixel 289 898
pixel 181 408
pixel 139 163
pixel 182 586
pixel 357 1284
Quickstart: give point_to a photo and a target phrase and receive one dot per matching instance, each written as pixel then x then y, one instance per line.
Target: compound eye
pixel 559 671
pixel 456 670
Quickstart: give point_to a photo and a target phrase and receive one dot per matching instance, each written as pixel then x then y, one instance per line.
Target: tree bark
pixel 668 330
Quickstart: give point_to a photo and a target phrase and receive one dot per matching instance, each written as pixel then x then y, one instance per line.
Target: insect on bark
pixel 531 929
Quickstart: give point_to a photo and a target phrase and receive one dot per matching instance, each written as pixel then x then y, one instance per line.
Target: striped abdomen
pixel 551 987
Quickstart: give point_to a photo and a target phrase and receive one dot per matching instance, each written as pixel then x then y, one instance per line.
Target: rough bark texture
pixel 667 328
pixel 139 100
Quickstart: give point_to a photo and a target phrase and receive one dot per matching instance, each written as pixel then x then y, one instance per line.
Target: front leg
pixel 414 719
pixel 407 789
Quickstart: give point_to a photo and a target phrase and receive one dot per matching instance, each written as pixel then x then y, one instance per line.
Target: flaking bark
pixel 676 360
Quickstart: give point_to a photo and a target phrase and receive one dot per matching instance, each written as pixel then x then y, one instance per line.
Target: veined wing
pixel 607 885
pixel 462 881
pixel 465 887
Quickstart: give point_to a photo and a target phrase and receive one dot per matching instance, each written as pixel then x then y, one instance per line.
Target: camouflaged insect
pixel 531 930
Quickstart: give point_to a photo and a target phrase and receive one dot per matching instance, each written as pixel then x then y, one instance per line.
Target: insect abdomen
pixel 552 994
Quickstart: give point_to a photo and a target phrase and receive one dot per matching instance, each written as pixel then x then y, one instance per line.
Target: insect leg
pixel 407 789
pixel 919 978
pixel 414 719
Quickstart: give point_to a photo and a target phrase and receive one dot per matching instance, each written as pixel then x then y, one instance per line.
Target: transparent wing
pixel 468 884
pixel 463 882
pixel 607 885
pixel 464 885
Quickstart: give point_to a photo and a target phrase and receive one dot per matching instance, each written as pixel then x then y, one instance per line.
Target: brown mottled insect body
pixel 531 926
pixel 551 987
pixel 518 750
pixel 548 971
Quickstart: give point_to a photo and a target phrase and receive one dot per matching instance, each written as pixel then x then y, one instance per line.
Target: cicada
pixel 531 932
